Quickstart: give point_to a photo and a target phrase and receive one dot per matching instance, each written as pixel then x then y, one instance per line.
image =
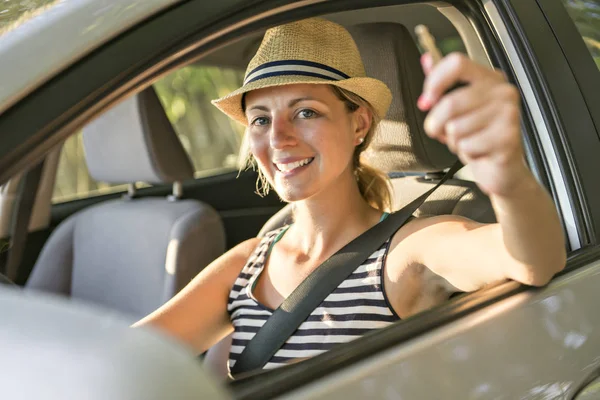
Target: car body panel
pixel 79 26
pixel 535 345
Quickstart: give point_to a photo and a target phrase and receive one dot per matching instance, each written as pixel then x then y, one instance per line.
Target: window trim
pixel 587 73
pixel 563 108
pixel 563 199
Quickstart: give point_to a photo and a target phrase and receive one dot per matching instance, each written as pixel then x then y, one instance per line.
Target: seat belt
pixel 20 223
pixel 298 306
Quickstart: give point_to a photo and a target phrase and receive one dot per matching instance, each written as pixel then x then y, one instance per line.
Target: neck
pixel 327 221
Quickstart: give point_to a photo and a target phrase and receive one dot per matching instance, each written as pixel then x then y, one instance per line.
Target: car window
pixel 211 140
pixel 586 15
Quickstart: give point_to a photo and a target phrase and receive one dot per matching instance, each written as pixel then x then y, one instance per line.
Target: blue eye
pixel 260 121
pixel 307 113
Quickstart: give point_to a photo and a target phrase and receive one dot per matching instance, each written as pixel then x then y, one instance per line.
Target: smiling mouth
pixel 289 167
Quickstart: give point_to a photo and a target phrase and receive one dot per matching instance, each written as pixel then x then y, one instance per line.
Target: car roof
pixel 68 30
pixel 61 34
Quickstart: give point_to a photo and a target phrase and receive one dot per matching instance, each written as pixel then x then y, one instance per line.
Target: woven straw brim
pixel 372 90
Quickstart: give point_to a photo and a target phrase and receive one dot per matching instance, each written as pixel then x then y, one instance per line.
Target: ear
pixel 362 124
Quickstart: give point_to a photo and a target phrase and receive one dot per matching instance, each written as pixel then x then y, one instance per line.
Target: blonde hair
pixel 373 184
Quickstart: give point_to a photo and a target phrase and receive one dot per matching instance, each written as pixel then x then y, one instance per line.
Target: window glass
pixel 586 15
pixel 210 138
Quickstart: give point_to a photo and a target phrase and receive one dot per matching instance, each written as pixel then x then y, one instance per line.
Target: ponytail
pixel 373 184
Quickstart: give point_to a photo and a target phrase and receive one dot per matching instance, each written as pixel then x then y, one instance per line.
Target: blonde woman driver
pixel 310 111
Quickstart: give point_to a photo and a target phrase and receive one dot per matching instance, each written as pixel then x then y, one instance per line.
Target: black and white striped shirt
pixel 357 306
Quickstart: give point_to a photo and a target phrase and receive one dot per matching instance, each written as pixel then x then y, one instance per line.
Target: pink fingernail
pixel 423 103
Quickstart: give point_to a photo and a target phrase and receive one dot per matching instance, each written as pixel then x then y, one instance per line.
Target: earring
pixel 360 140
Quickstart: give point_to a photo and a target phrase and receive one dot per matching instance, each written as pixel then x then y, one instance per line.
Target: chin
pixel 294 194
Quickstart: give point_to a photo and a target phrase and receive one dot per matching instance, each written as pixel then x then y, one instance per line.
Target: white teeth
pixel 291 166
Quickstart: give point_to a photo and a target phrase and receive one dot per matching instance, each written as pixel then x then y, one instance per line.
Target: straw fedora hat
pixel 314 51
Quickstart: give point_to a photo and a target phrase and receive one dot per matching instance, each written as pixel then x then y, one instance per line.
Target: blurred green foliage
pixel 211 138
pixel 452 44
pixel 586 15
pixel 15 12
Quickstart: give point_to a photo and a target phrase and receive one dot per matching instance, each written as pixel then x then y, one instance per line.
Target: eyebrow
pixel 290 104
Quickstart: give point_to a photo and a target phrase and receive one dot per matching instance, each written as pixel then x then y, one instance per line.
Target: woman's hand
pixel 479 122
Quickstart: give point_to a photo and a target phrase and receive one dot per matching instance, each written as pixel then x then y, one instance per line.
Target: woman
pixel 310 111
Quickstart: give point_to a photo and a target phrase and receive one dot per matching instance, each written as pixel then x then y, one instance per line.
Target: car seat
pixel 131 254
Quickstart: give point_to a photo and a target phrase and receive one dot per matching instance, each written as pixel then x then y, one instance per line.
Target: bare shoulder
pixel 230 264
pixel 410 285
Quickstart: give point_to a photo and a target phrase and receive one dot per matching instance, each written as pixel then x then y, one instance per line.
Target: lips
pixel 287 167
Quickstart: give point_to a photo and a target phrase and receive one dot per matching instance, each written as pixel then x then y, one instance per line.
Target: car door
pixel 515 343
pixel 505 342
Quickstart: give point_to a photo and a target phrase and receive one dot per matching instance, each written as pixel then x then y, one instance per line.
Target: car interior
pixel 164 203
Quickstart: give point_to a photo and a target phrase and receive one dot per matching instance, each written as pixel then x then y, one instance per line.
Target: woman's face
pixel 303 137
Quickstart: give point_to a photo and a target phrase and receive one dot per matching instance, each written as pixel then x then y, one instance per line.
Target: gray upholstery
pixel 54 349
pixel 135 141
pixel 130 255
pixel 391 55
pixel 455 196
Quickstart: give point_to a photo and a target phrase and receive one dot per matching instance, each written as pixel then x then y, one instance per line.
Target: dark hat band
pixel 294 67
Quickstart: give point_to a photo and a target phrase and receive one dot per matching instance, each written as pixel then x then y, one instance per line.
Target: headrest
pixel 391 55
pixel 135 141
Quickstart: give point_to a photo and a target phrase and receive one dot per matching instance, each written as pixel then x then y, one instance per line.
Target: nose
pixel 282 133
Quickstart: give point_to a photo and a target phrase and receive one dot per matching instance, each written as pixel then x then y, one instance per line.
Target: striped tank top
pixel 358 305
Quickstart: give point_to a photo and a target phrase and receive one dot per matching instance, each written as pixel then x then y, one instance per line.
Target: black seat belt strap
pixel 294 310
pixel 20 223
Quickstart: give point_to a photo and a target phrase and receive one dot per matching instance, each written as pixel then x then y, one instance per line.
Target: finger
pixel 427 63
pixel 454 69
pixel 453 105
pixel 468 124
pixel 475 146
pixel 493 141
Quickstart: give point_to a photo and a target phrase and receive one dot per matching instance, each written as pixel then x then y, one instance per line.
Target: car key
pixel 427 42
